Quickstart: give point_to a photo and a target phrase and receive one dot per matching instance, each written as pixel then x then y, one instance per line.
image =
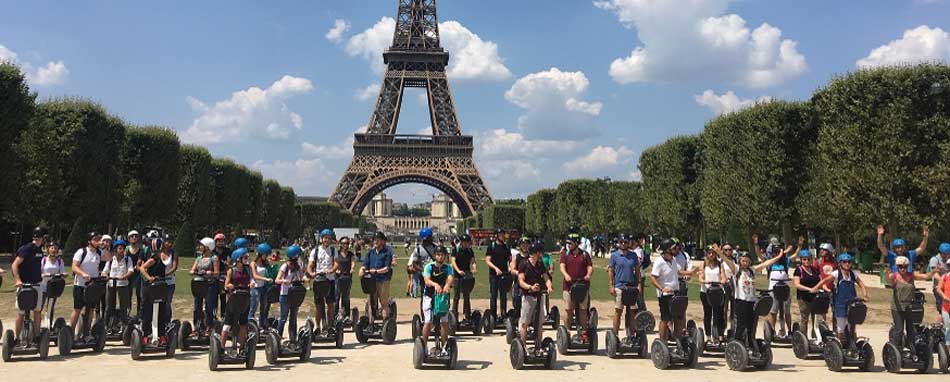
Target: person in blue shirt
pixel 378 262
pixel 899 248
pixel 437 279
pixel 845 285
pixel 623 271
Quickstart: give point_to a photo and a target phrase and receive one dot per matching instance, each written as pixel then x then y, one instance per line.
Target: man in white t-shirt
pixel 85 268
pixel 321 269
pixel 665 278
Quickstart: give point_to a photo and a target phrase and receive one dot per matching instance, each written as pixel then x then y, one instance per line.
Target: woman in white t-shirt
pixel 289 272
pixel 50 266
pixel 744 309
pixel 119 269
pixel 712 273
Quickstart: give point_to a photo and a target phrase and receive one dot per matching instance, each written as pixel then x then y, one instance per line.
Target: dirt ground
pixel 480 358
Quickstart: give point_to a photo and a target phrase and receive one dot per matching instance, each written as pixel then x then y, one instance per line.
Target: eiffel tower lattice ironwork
pixel 382 158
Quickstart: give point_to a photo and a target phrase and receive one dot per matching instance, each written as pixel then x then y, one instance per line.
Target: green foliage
pixel 882 145
pixel 572 199
pixel 317 216
pixel 255 198
pixel 288 221
pixel 230 193
pixel 671 182
pixel 625 201
pixel 17 106
pixel 185 240
pixel 151 167
pixel 505 216
pixel 195 188
pixel 76 238
pixel 539 211
pixel 754 161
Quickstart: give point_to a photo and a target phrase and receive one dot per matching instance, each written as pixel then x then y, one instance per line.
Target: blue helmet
pixel 898 243
pixel 120 242
pixel 240 243
pixel 425 233
pixel 237 254
pixel 944 248
pixel 845 257
pixel 293 251
pixel 804 253
pixel 326 232
pixel 263 248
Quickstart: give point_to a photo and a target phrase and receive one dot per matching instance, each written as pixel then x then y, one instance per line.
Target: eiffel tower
pixel 382 158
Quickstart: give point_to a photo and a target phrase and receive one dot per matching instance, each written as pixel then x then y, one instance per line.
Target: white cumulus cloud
pixel 53 73
pixel 554 109
pixel 307 176
pixel 727 102
pixel 367 93
pixel 335 34
pixel 471 57
pixel 598 159
pixel 341 150
pixel 694 39
pixel 921 44
pixel 500 143
pixel 253 112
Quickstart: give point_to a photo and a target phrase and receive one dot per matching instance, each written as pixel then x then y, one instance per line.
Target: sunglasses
pixel 845 261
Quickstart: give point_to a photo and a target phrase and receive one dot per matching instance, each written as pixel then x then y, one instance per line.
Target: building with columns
pixel 443 213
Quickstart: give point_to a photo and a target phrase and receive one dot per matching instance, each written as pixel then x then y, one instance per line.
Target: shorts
pixel 529 307
pixel 665 314
pixel 774 309
pixel 39 299
pixel 427 311
pixel 382 291
pixel 584 304
pixel 946 327
pixel 79 298
pixel 840 324
pixel 618 299
pixel 235 319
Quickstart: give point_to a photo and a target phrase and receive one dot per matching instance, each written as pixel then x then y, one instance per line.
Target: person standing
pixel 322 269
pixel 899 248
pixel 206 265
pixel 85 268
pixel 623 272
pixel 378 263
pixel 463 264
pixel 496 258
pixel 421 256
pixel 120 268
pixel 344 277
pixel 576 266
pixel 27 269
pixel 938 265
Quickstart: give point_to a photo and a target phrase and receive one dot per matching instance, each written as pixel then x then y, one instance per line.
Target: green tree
pixel 230 193
pixel 504 216
pixel 289 224
pixel 573 201
pixel 151 166
pixel 625 201
pixel 17 105
pixel 671 181
pixel 196 188
pixel 538 209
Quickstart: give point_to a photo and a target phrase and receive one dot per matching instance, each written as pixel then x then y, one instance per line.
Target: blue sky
pixel 551 90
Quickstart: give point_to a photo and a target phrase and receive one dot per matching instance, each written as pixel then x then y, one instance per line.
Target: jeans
pixel 341 302
pixel 946 327
pixel 120 294
pixel 164 316
pixel 135 282
pixel 711 313
pixel 259 296
pixel 210 299
pixel 284 310
pixel 198 315
pixel 497 291
pixel 168 304
pixel 467 303
pixel 901 327
pixel 516 301
pixel 745 321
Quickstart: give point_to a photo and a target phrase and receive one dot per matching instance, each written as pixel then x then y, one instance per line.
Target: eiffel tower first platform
pixel 382 158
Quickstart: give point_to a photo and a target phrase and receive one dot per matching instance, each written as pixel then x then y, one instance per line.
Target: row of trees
pixel 69 164
pixel 870 147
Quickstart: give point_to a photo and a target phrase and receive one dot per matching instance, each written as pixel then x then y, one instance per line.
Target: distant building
pixel 380 206
pixel 443 214
pixel 311 199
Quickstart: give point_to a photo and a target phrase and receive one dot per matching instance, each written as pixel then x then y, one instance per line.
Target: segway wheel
pixel 592 341
pixel 392 307
pixel 184 332
pixel 418 352
pixel 592 318
pixel 354 317
pixel 517 354
pixel 550 353
pixel 338 331
pixel 796 327
pixel 250 347
pixel 612 342
pixel 867 354
pixel 271 348
pixel 699 340
pixel 509 330
pixel 489 326
pixel 135 344
pixel 172 345
pixel 44 343
pixel 59 324
pixel 361 326
pixel 476 320
pixel 800 345
pixel 555 317
pixel 690 328
pixel 416 326
pixel 768 332
pixel 563 339
pixel 214 353
pixel 660 353
pixel 645 321
pixel 833 355
pixel 7 345
pixel 65 341
pixel 389 331
pixel 99 334
pixel 942 360
pixel 891 357
pixel 306 347
pixel 451 346
pixel 453 324
pixel 737 358
pixel 643 351
pixel 766 354
pixel 127 335
pixel 926 357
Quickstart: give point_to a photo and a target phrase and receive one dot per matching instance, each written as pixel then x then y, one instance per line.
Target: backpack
pixel 85 251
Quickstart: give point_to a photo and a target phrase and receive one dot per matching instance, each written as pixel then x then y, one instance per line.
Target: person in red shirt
pixel 576 266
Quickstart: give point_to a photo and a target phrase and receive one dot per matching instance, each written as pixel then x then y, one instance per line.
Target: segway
pixel 197 335
pixel 681 351
pixel 937 339
pixel 915 352
pixel 26 342
pixel 743 353
pixel 117 325
pixel 444 354
pixel 327 334
pixel 813 342
pixel 235 354
pixel 156 292
pixel 716 340
pixel 473 321
pixel 855 351
pixel 567 342
pixel 490 322
pixel 537 351
pixel 86 337
pixel 272 297
pixel 370 324
pixel 635 336
pixel 784 335
pixel 552 318
pixel 298 346
pixel 54 289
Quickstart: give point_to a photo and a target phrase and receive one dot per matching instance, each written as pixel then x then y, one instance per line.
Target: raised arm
pixel 766 263
pixel 925 234
pixel 880 243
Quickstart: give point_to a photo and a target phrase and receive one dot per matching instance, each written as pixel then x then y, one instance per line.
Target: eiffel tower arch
pixel 382 158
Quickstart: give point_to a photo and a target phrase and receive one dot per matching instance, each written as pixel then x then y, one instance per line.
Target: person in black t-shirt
pixel 806 276
pixel 533 277
pixel 27 269
pixel 499 281
pixel 463 263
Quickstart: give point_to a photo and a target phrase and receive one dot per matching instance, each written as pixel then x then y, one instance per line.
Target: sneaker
pixel 584 337
pixel 162 341
pixel 144 340
pixel 445 353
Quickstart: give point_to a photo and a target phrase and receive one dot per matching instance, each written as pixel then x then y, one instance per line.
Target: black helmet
pixel 665 245
pixel 465 237
pixel 498 231
pixel 40 232
pixel 91 235
pixel 573 229
pixel 623 237
pixel 379 235
pixel 525 239
pixel 441 249
pixel 536 248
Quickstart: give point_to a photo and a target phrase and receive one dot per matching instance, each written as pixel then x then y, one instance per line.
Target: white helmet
pixel 901 260
pixel 153 234
pixel 827 246
pixel 106 237
pixel 208 243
